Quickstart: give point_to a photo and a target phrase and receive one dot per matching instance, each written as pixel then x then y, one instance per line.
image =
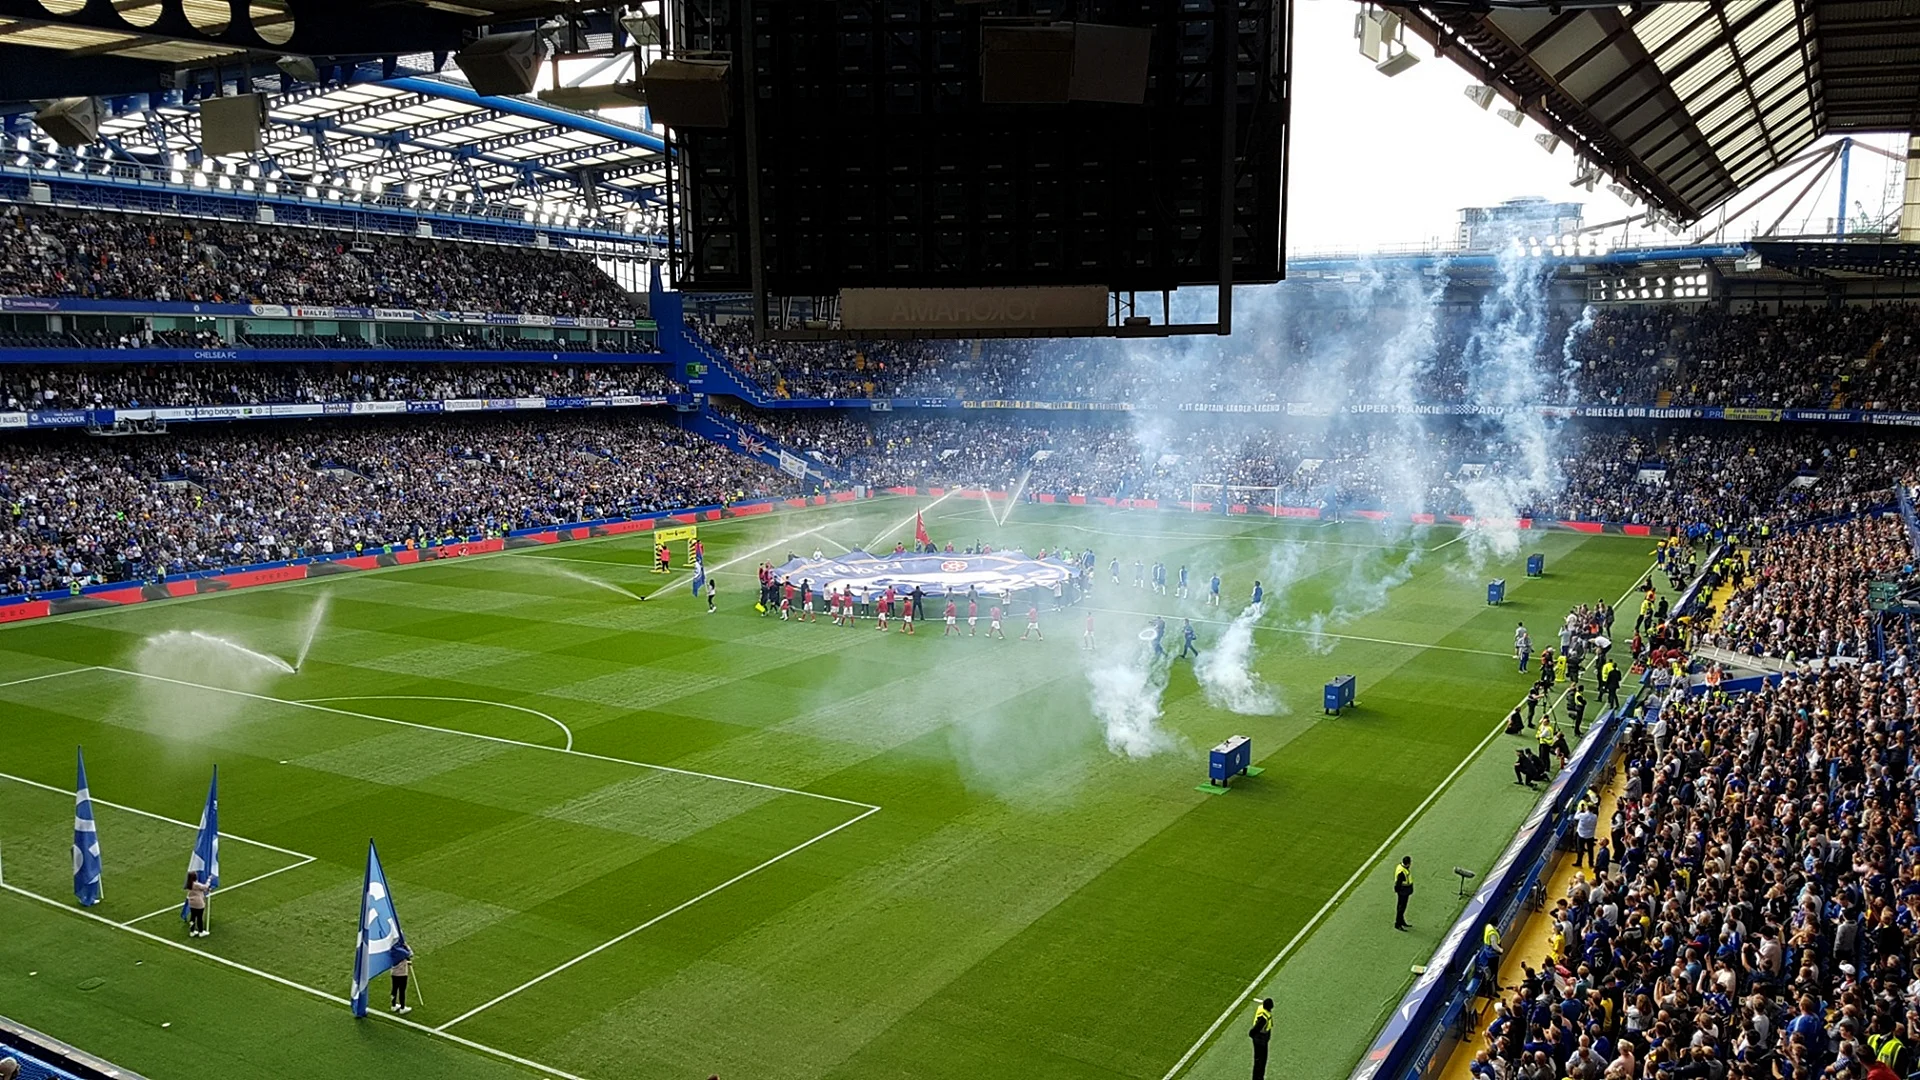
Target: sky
pixel 1380 163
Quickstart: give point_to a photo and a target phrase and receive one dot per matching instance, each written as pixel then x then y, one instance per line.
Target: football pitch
pixel 637 840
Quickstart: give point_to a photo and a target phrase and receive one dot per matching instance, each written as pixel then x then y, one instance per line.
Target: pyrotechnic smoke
pixel 1370 581
pixel 1505 383
pixel 1225 670
pixel 1570 367
pixel 1125 687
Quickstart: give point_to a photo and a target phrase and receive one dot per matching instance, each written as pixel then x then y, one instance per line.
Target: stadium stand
pixel 131 257
pixel 1812 357
pixel 158 385
pixel 132 510
pixel 1751 914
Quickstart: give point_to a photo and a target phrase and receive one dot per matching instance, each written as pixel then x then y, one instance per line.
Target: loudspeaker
pixel 689 93
pixel 232 125
pixel 502 63
pixel 71 121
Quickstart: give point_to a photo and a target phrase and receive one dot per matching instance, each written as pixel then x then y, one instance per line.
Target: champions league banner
pixel 867 574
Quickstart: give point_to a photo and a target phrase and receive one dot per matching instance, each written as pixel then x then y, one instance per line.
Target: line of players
pixel 1154 576
pixel 796 603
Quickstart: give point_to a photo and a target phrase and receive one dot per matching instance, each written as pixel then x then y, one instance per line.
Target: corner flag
pixel 919 529
pixel 86 841
pixel 379 932
pixel 699 575
pixel 205 860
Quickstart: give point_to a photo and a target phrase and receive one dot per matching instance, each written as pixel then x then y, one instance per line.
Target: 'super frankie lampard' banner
pixel 937 574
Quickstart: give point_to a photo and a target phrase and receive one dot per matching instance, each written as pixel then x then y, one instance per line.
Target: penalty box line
pixel 1361 871
pixel 281 980
pixel 867 810
pixel 496 739
pixel 670 912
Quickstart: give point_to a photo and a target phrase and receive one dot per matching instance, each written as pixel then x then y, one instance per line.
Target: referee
pixel 1402 890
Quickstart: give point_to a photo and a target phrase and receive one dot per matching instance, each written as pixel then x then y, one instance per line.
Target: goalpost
pixel 1257 499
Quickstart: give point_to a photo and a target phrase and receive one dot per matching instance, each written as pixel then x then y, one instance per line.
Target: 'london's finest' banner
pixel 989 575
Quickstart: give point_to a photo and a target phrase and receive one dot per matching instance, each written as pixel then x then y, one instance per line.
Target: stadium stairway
pixel 1528 942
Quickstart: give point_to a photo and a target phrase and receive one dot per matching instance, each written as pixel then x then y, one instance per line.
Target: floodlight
pixel 1512 116
pixel 1480 94
pixel 1548 141
pixel 1623 194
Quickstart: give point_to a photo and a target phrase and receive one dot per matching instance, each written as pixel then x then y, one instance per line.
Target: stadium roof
pixel 397 134
pixel 125 46
pixel 1689 103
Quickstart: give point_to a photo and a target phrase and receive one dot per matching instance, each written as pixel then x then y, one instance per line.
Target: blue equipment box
pixel 1497 591
pixel 1536 565
pixel 1229 759
pixel 1339 694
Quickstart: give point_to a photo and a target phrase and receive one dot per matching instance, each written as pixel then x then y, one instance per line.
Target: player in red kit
pixel 973 615
pixel 884 609
pixel 993 624
pixel 1033 624
pixel 953 618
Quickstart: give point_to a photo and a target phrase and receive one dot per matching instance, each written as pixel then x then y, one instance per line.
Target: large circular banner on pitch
pixel 1000 572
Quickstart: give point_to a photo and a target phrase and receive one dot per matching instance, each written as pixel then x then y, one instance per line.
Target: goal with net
pixel 1219 497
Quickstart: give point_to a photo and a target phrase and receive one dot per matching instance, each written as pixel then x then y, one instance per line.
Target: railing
pixel 1430 1017
pixel 43 1057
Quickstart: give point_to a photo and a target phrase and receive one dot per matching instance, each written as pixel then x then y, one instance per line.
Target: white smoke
pixel 1369 583
pixel 1506 385
pixel 1569 366
pixel 1125 687
pixel 1225 670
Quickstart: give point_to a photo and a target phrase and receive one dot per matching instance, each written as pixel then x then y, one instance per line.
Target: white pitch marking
pixel 291 985
pixel 48 675
pixel 1450 543
pixel 491 738
pixel 225 889
pixel 1287 949
pixel 898 525
pixel 149 814
pixel 682 906
pixel 1311 633
pixel 548 717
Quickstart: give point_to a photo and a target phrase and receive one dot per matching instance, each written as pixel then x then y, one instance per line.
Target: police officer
pixel 1261 1033
pixel 1402 890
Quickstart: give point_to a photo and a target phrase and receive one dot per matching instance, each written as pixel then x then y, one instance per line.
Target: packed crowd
pixel 1749 911
pixel 140 386
pixel 132 257
pixel 1679 473
pixel 1807 598
pixel 391 336
pixel 1334 355
pixel 78 512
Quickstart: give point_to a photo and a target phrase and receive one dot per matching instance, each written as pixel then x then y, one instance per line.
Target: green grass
pixel 1022 903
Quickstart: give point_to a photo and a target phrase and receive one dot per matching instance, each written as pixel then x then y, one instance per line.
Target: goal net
pixel 1219 497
